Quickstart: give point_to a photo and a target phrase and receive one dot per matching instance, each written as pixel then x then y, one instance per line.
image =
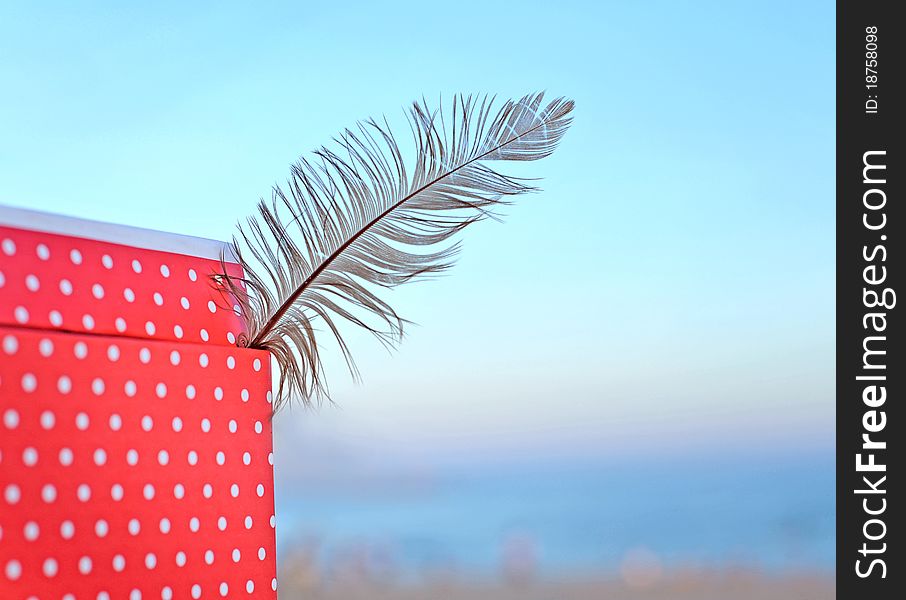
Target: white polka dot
pixel 256 364
pixel 48 420
pixel 150 560
pixel 88 322
pixel 80 349
pixel 207 490
pixel 221 458
pixel 221 523
pixel 11 418
pixel 116 422
pixel 149 328
pixel 194 524
pixel 144 355
pixel 260 490
pixel 130 388
pixel 50 567
pixel 248 521
pixel 233 426
pixel 29 457
pixel 174 357
pixel 136 266
pixel 165 270
pixel 119 562
pixel 244 395
pixel 231 362
pixel 83 492
pixel 274 584
pixel 177 424
pixel 224 588
pixel 13 567
pixel 270 458
pixel 147 423
pixel 196 591
pixel 107 261
pixel 65 457
pixel 134 527
pixel 193 275
pixel 166 593
pixel 49 493
pixel 249 586
pixel 234 492
pixel 212 306
pixel 82 421
pixel 65 287
pixel 9 247
pixel 179 491
pixel 21 314
pixel 231 338
pixel 236 555
pixel 29 382
pixel 120 324
pixel 163 457
pixel 31 531
pixel 100 457
pixel 161 390
pixel 129 295
pixel 45 347
pixel 192 457
pixel 148 491
pixel 113 352
pixel 261 553
pixel 209 557
pixel 75 256
pixel 97 290
pixel 67 530
pixel 218 393
pixel 132 457
pixel 135 594
pixel 42 251
pixel 203 360
pixel 273 521
pixel 85 565
pixel 165 525
pixel 2 279
pixel 101 528
pixel 32 283
pixel 181 559
pixel 184 302
pixel 158 299
pixel 177 332
pixel 258 427
pixel 97 386
pixel 204 334
pixel 246 458
pixel 103 596
pixel 190 391
pixel 56 319
pixel 206 425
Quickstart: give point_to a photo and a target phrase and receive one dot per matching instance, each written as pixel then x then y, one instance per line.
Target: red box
pixel 135 437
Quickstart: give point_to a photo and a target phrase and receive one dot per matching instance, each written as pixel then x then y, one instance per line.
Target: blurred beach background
pixel 625 391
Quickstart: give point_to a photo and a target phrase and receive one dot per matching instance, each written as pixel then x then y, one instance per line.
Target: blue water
pixel 759 514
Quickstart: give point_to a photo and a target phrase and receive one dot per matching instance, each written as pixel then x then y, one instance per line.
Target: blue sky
pixel 671 288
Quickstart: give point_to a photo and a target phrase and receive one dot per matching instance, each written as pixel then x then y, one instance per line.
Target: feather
pixel 356 218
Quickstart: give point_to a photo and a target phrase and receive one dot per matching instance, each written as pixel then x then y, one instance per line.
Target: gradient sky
pixel 672 287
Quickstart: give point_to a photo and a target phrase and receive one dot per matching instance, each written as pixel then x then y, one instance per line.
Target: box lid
pixel 68 274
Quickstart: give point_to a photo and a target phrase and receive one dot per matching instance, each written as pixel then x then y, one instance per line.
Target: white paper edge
pixel 139 237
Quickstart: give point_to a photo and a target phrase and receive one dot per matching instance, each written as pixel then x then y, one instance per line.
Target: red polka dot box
pixel 135 437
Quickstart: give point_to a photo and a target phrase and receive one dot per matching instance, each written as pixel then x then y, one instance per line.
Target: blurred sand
pixel 737 585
